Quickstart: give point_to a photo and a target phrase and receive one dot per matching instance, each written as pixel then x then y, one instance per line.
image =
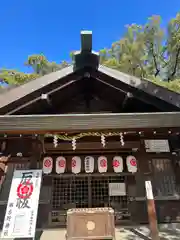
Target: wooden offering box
pixel 90 223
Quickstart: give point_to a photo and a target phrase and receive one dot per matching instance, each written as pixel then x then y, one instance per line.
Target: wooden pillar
pixel 143 168
pixel 3 163
pixel 36 153
pixel 145 171
pixel 145 175
pixel 89 192
pixel 3 169
pixel 151 211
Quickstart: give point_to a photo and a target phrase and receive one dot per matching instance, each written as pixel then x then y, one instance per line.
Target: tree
pixel 13 77
pixel 40 66
pixel 146 51
pixel 153 39
pixel 172 49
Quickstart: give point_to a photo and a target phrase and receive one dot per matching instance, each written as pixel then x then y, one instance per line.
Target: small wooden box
pixel 90 223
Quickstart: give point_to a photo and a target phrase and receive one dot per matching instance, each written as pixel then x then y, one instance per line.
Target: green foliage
pixel 147 51
pixel 172 85
pixel 13 77
pixel 42 66
pixel 38 63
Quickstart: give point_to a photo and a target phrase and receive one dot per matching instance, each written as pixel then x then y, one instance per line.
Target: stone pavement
pixel 120 234
pixel 167 232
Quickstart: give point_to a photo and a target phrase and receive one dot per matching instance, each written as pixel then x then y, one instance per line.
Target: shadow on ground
pixel 166 232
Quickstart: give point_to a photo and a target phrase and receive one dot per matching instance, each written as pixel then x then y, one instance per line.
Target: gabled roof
pixel 19 92
pixel 87 62
pixel 40 85
pixel 143 85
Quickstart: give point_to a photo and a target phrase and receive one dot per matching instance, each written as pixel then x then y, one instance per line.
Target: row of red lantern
pixel 117 163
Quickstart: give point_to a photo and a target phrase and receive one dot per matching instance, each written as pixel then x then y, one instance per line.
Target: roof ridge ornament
pixel 86 57
pixel 86 41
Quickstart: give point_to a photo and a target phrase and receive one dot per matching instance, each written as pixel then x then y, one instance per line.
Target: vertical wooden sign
pixel 151 211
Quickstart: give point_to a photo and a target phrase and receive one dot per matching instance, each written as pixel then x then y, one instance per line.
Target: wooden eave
pixel 142 89
pixel 88 122
pixel 31 91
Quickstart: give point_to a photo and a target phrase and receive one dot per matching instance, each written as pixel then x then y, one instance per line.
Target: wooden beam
pixel 39 97
pixel 86 122
pixel 125 101
pixel 130 135
pixel 141 89
pixel 92 146
pixel 15 159
pixel 67 175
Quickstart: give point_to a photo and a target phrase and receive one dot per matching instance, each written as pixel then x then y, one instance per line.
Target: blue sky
pixel 52 27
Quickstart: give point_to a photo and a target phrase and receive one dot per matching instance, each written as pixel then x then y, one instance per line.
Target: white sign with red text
pixel 21 212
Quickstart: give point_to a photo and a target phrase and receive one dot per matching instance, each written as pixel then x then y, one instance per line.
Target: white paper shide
pixel 22 207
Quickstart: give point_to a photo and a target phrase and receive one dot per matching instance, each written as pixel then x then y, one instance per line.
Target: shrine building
pixel 98 134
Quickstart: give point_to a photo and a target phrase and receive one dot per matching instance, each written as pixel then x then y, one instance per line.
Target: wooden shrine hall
pixel 98 134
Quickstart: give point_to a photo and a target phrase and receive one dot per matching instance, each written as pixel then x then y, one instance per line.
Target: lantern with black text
pixel 89 164
pixel 102 164
pixel 117 164
pixel 47 165
pixel 131 164
pixel 60 165
pixel 76 164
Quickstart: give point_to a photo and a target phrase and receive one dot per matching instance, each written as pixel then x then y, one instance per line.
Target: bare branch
pixel 175 65
pixel 155 61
